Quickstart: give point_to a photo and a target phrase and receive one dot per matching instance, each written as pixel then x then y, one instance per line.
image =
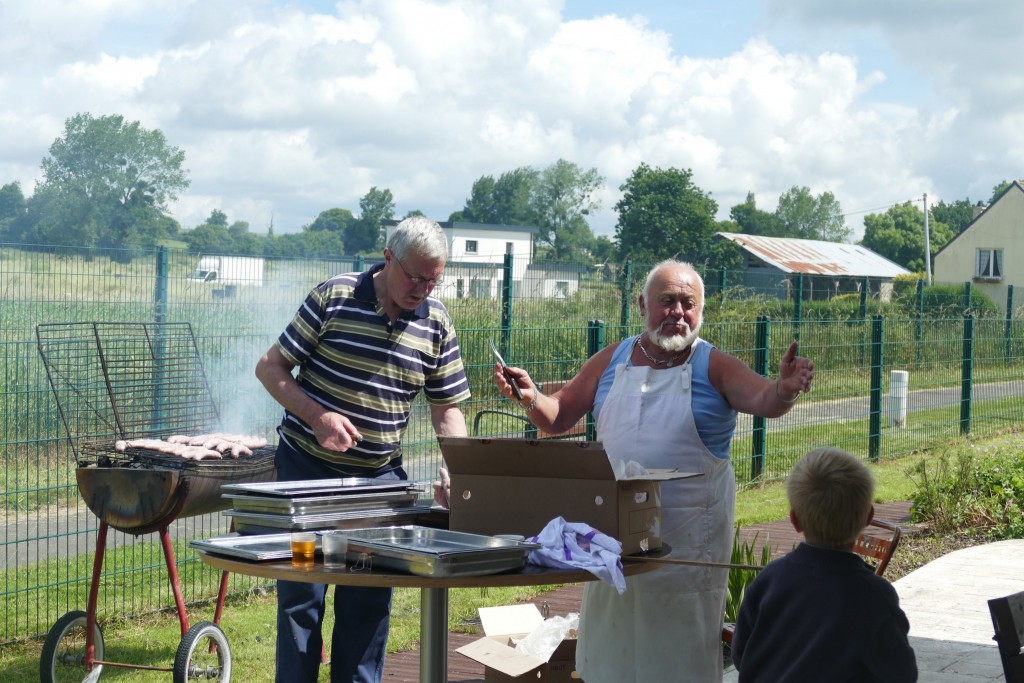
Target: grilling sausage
pixel 197 447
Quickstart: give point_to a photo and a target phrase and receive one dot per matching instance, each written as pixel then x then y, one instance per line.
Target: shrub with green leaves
pixel 973 489
pixel 743 553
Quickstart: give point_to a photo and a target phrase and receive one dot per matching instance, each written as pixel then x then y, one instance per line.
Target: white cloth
pixel 667 625
pixel 573 545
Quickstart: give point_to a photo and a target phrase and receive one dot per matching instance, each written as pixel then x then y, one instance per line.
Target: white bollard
pixel 898 382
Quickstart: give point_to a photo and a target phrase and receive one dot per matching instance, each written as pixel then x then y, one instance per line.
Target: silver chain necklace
pixel 654 360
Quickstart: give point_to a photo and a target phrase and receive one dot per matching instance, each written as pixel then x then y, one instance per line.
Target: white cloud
pixel 286 111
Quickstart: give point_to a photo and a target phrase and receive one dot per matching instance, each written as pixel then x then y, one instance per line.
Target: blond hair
pixel 831 492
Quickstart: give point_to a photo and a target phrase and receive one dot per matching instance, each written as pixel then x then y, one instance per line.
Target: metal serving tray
pixel 424 551
pixel 317 487
pixel 268 523
pixel 308 505
pixel 257 548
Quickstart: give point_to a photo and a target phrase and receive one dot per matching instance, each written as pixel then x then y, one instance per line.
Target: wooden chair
pixel 876 544
pixel 529 430
pixel 1008 622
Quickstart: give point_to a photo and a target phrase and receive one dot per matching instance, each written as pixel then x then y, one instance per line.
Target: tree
pixel 515 196
pixel 107 181
pixel 479 208
pixel 751 220
pixel 564 196
pixel 957 215
pixel 805 216
pixel 332 220
pixel 12 211
pixel 662 214
pixel 998 190
pixel 365 235
pixel 509 200
pixel 217 217
pixel 210 238
pixel 898 235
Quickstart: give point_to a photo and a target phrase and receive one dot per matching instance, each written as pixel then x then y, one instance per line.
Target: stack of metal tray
pixel 345 503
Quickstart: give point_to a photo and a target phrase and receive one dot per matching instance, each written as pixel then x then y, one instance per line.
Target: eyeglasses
pixel 417 279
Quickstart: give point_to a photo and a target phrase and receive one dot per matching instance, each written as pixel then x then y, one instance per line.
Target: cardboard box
pixel 503 626
pixel 516 486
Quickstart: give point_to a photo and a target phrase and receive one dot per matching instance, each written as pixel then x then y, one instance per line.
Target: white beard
pixel 675 343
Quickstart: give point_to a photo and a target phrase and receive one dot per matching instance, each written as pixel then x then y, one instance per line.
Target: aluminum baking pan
pixel 264 523
pixel 308 505
pixel 318 487
pixel 256 548
pixel 424 551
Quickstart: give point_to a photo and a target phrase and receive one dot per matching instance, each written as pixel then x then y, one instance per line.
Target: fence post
pixel 967 295
pixel 721 287
pixel 160 399
pixel 506 305
pixel 966 375
pixel 595 342
pixel 864 317
pixel 762 336
pixel 627 294
pixel 360 265
pixel 875 393
pixel 163 268
pixel 1008 328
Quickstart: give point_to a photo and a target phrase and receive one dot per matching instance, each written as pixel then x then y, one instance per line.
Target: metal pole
pixel 927 244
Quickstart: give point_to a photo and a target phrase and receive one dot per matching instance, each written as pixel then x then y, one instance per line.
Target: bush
pixel 972 489
pixel 947 301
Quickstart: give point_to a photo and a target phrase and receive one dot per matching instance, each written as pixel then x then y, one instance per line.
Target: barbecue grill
pixel 122 381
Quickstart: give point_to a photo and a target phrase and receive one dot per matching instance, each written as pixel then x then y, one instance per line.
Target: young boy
pixel 820 613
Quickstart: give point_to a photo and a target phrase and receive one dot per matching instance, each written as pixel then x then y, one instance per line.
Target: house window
pixel 480 288
pixel 561 289
pixel 471 246
pixel 989 264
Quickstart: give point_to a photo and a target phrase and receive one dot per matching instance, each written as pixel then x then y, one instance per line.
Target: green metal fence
pixel 964 362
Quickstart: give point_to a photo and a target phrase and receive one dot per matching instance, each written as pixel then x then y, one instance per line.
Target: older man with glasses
pixel 364 344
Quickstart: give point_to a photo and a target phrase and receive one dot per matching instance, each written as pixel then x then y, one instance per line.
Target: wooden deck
pixel 404 666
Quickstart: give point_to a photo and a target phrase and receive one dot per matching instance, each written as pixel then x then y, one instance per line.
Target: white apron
pixel 667 626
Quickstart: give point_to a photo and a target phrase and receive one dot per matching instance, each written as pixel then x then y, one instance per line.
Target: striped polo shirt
pixel 353 361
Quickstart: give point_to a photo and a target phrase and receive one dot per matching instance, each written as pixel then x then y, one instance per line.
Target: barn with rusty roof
pixel 826 269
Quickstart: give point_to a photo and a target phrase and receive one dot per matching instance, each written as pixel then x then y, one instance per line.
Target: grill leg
pixel 94 593
pixel 172 573
pixel 220 598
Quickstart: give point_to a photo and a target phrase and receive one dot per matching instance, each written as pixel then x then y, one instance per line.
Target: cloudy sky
pixel 285 109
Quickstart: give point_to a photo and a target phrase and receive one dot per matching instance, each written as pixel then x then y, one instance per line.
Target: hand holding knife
pixel 508 375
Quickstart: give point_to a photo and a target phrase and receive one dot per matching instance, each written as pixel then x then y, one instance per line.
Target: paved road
pixel 70 531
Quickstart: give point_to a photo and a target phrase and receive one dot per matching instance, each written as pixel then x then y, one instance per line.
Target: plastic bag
pixel 627 470
pixel 542 641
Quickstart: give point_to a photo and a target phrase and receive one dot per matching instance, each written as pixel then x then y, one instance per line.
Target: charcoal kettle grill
pixel 121 381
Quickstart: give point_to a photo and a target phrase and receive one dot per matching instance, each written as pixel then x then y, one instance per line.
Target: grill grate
pixel 124 380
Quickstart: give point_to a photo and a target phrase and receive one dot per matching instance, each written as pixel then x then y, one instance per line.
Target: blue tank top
pixel 714 417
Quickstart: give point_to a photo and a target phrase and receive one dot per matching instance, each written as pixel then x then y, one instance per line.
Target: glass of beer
pixel 303 549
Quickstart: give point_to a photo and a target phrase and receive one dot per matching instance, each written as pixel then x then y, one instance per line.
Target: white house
pixel 476 255
pixel 984 253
